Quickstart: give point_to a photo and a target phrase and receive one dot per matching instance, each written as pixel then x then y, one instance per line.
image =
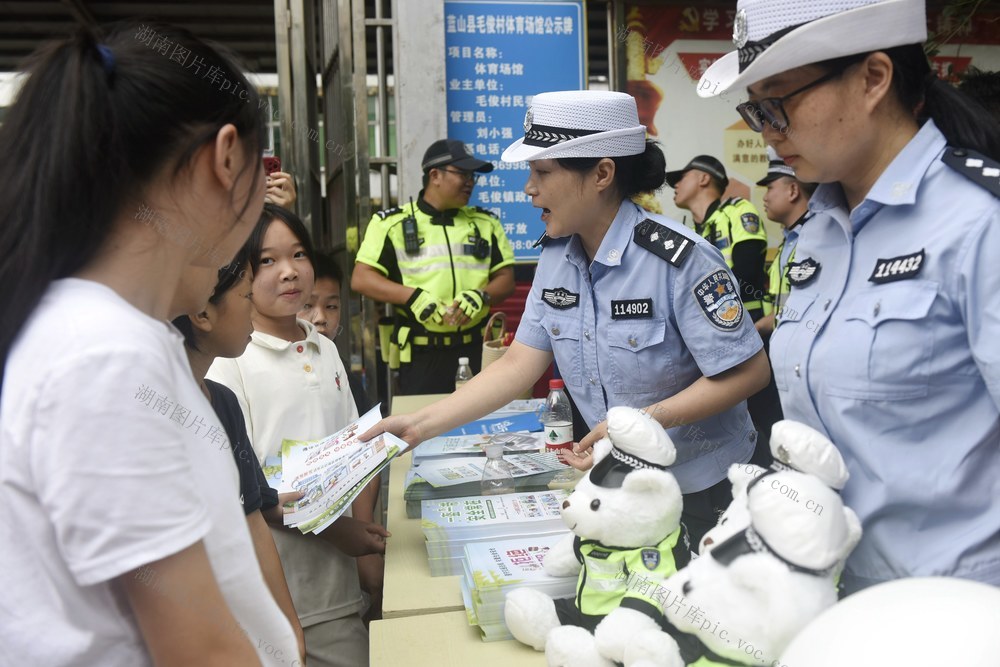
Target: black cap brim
pixel 674 177
pixel 610 472
pixel 770 177
pixel 472 164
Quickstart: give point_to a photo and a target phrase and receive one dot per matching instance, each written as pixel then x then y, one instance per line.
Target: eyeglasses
pixel 464 175
pixel 772 109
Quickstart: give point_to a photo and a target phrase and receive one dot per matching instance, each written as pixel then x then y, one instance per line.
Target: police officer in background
pixel 733 226
pixel 441 263
pixel 787 203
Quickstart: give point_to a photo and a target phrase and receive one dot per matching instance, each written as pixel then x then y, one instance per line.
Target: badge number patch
pixel 719 302
pixel 897 268
pixel 560 298
pixel 632 309
pixel 801 273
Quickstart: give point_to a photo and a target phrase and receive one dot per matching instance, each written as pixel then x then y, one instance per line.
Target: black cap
pixel 705 163
pixel 451 151
pixel 776 169
pixel 611 471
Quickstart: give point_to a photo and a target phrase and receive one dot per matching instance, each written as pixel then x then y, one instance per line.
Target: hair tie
pixel 107 59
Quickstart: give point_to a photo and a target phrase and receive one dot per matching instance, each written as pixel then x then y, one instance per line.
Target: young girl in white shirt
pixel 291 383
pixel 124 542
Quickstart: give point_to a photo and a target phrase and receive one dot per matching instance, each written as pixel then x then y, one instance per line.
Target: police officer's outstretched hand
pixel 425 307
pixel 581 457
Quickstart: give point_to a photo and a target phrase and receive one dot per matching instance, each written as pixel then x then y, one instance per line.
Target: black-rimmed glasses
pixel 461 173
pixel 772 110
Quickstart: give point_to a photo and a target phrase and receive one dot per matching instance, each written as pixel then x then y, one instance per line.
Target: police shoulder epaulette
pixel 662 241
pixel 486 211
pixel 975 166
pixel 389 211
pixel 730 201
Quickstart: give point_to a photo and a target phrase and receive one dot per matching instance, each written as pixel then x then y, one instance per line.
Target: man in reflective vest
pixel 441 263
pixel 733 226
pixel 787 203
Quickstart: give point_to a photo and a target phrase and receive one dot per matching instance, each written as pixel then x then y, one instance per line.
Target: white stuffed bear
pixel 794 446
pixel 747 598
pixel 627 539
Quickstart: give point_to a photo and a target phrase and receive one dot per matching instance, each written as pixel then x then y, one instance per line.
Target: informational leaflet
pixel 461 445
pixel 515 421
pixel 333 471
pixel 455 518
pixel 462 470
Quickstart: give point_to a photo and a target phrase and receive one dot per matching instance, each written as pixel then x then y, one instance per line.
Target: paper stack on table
pixel 333 471
pixel 448 525
pixel 491 569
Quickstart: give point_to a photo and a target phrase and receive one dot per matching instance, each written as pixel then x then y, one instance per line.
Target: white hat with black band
pixel 774 36
pixel 579 123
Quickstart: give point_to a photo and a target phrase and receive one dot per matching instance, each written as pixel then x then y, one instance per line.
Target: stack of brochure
pixel 492 569
pixel 332 471
pixel 450 524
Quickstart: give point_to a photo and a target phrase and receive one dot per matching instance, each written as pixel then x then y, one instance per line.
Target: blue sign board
pixel 498 55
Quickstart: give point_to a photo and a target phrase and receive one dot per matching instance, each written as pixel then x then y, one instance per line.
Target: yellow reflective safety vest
pixel 614 577
pixel 442 253
pixel 778 286
pixel 729 223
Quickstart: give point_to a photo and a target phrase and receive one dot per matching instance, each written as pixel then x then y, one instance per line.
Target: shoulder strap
pixel 385 213
pixel 662 241
pixel 978 168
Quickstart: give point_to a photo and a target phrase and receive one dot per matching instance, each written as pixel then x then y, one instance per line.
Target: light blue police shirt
pixel 892 348
pixel 630 328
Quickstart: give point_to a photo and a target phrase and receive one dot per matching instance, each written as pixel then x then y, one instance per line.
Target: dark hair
pixel 97 118
pixel 634 174
pixel 272 212
pixel 326 266
pixel 229 276
pixel 962 120
pixel 984 88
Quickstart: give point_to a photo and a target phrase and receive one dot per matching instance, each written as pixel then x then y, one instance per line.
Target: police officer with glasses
pixel 888 341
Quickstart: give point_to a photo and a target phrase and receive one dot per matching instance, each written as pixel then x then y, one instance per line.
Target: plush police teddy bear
pixel 627 539
pixel 794 446
pixel 747 598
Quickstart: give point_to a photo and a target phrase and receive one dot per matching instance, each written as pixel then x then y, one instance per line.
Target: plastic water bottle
pixel 557 424
pixel 464 373
pixel 496 475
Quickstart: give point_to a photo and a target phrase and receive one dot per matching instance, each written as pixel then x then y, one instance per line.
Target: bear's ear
pixel 601 449
pixel 853 532
pixel 648 482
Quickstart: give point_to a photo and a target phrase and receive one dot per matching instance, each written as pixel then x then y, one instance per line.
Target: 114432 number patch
pixel 897 268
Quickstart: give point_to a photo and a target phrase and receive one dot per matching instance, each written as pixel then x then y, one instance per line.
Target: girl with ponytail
pixel 887 343
pixel 137 160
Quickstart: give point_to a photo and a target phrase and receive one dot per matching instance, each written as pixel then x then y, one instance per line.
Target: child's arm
pixel 274 576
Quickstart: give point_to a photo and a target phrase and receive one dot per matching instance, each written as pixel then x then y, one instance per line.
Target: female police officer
pixel 636 309
pixel 888 340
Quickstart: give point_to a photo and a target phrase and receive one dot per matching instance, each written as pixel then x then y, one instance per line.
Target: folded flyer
pixel 333 471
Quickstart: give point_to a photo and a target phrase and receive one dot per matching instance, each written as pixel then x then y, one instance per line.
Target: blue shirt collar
pixel 897 185
pixel 615 240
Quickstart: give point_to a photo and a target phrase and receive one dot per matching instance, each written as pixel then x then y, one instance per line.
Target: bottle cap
pixel 556 383
pixel 463 361
pixel 493 450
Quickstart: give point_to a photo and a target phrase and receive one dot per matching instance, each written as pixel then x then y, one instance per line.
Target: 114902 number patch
pixel 897 268
pixel 632 309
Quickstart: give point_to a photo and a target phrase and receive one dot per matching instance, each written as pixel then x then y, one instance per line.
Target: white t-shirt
pixel 298 391
pixel 111 458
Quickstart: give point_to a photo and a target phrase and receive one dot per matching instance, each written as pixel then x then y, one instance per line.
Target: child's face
pixel 231 321
pixel 323 307
pixel 285 277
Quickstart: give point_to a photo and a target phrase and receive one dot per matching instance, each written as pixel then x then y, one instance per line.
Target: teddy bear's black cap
pixel 610 471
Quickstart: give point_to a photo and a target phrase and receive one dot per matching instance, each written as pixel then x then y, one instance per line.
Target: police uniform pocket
pixel 791 321
pixel 890 357
pixel 639 361
pixel 564 334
